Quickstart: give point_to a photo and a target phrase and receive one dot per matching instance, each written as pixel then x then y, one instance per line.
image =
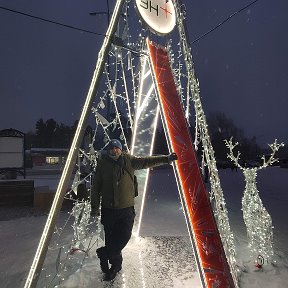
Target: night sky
pixel 46 69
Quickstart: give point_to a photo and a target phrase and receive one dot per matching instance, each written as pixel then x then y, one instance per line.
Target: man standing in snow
pixel 114 186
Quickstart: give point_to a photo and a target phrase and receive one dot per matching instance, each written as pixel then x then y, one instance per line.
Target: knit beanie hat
pixel 114 143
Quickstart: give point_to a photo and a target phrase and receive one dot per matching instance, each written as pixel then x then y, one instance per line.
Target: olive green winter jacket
pixel 113 186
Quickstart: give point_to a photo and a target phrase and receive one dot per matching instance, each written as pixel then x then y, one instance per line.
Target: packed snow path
pixel 148 262
pixel 164 234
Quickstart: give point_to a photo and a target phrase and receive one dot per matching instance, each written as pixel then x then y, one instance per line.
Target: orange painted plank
pixel 214 268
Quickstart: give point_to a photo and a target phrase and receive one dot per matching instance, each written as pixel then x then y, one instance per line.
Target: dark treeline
pixel 221 128
pixel 50 134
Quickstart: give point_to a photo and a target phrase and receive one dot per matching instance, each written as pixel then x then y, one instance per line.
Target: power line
pixel 224 21
pixel 100 34
pixel 50 21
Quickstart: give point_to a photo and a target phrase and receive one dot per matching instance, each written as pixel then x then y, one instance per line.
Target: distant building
pixel 47 156
pixel 12 153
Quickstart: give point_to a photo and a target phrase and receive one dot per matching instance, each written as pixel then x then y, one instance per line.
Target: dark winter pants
pixel 118 224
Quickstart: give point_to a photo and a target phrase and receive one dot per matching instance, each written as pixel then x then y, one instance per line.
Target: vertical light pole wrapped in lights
pixel 40 255
pixel 144 131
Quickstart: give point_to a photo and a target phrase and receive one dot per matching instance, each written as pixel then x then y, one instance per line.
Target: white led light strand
pixel 147 111
pixel 217 197
pixel 127 95
pixel 41 251
pixel 114 100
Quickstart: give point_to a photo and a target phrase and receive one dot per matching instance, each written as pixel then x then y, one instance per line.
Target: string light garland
pixel 257 220
pixel 85 231
pixel 124 96
pixel 216 194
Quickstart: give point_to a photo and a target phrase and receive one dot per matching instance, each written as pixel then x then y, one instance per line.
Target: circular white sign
pixel 159 15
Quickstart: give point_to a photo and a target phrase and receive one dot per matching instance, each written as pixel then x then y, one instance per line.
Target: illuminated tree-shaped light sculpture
pixel 257 220
pixel 116 101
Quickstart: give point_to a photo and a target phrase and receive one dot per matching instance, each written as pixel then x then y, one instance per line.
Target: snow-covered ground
pixel 162 255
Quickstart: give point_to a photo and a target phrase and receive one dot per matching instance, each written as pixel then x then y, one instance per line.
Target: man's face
pixel 115 151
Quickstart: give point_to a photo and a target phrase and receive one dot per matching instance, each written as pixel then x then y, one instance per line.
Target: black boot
pixel 102 255
pixel 111 274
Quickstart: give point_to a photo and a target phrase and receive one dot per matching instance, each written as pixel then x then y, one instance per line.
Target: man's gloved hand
pixel 172 157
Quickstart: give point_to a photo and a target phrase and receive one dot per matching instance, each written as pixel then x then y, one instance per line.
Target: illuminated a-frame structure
pixel 219 203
